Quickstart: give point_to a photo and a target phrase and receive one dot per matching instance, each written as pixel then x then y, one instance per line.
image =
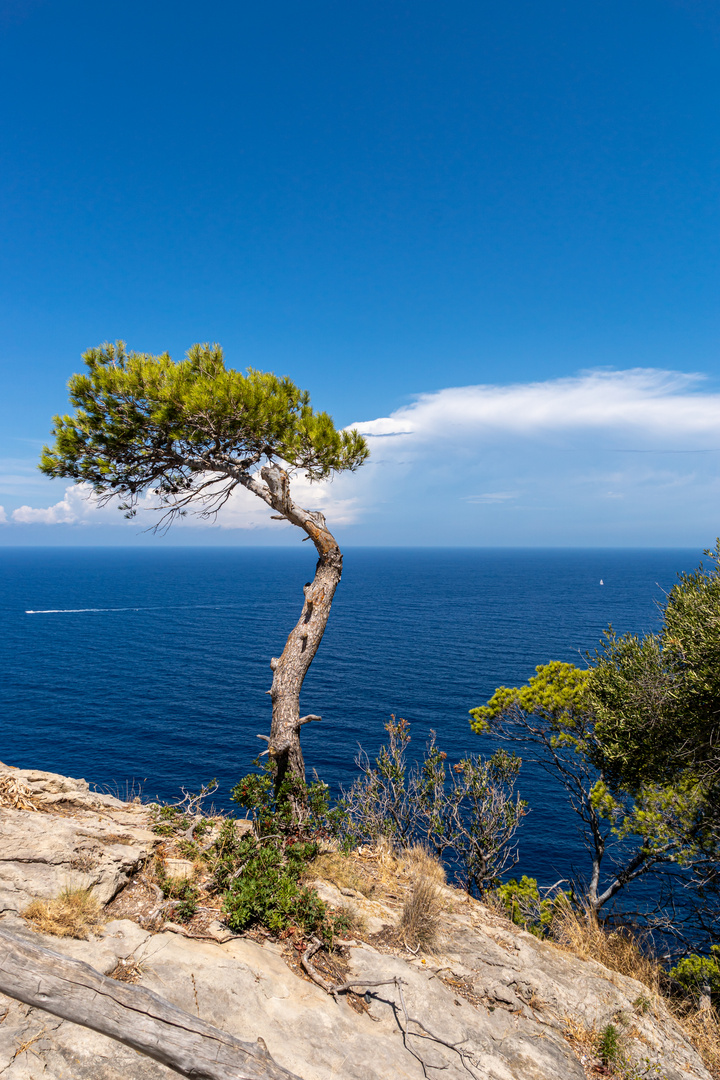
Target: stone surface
pixel 492 1002
pixel 179 868
pixel 75 838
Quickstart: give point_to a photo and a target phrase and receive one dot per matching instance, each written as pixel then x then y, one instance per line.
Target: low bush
pixel 468 812
pixel 260 873
pixel 696 972
pixel 184 892
pixel 522 903
pixel 609 1045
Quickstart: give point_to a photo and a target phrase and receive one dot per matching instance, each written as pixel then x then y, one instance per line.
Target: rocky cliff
pixel 490 1001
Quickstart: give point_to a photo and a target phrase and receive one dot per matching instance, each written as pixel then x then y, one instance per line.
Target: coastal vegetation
pixel 268 881
pixel 632 740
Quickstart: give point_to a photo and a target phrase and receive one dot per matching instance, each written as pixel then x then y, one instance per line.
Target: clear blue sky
pixel 382 200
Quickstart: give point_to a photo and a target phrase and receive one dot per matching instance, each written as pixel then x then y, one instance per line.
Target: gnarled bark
pixel 289 670
pixel 132 1015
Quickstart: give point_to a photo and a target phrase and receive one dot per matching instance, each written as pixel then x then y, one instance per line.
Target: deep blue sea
pixel 151 665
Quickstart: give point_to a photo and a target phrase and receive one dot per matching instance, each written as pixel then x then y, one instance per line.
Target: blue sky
pixel 486 233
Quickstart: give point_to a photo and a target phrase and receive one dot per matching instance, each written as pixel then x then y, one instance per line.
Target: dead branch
pixel 132 1015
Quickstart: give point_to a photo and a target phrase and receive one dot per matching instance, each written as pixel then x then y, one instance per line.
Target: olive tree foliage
pixel 188 434
pixel 629 830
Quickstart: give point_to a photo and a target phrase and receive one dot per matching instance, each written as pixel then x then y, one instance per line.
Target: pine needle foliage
pixel 146 423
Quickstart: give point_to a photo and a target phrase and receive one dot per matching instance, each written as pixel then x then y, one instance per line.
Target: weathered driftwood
pixel 133 1015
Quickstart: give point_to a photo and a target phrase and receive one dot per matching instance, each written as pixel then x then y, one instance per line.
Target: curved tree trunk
pixel 289 670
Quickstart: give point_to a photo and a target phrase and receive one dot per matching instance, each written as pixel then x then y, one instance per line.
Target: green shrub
pixel 693 972
pixel 526 908
pixel 296 809
pixel 468 812
pixel 268 890
pixel 259 873
pixel 609 1047
pixel 184 892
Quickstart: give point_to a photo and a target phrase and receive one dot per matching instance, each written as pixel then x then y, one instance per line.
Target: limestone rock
pixel 492 1002
pixel 93 841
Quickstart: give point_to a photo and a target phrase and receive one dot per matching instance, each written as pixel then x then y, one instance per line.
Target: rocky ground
pixel 490 1002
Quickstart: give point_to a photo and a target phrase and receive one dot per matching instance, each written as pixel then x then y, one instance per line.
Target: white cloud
pixel 3 515
pixel 642 401
pixel 76 506
pixel 603 457
pixel 242 511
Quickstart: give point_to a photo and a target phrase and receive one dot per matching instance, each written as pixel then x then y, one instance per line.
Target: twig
pixel 462 1054
pixel 312 971
pixel 425 1033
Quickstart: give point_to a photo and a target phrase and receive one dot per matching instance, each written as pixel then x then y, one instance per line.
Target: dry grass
pixel 389 862
pixel 419 861
pixel 341 870
pixel 127 971
pixel 421 913
pixel 74 913
pixel 703 1031
pixel 16 796
pixel 583 1037
pixel 583 936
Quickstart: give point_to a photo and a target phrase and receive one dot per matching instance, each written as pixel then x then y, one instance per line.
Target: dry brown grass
pixel 419 861
pixel 16 796
pixel 341 870
pixel 127 971
pixel 583 936
pixel 583 1037
pixel 421 914
pixel 74 913
pixel 384 863
pixel 703 1031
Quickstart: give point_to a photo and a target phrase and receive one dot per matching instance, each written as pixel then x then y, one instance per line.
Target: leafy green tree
pixel 527 908
pixel 698 972
pixel 190 433
pixel 628 830
pixel 656 702
pixel 657 698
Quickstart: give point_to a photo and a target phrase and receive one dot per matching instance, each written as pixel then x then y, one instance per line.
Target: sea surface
pixel 147 668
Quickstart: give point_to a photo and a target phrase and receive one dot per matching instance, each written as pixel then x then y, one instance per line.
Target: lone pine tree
pixel 190 433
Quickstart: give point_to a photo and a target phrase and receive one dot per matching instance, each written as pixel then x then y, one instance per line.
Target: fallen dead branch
pixel 130 1014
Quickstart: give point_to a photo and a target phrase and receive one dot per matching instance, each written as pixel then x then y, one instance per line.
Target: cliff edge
pixel 490 1001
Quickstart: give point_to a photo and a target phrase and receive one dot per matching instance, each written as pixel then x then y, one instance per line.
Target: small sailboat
pixel 601 581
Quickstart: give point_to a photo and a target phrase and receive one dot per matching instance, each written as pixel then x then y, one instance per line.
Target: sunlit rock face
pixel 489 1001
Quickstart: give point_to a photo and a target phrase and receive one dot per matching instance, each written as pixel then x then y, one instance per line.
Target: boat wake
pixel 77 610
